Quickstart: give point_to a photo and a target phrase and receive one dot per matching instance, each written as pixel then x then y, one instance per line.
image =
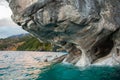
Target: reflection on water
pixel 23 65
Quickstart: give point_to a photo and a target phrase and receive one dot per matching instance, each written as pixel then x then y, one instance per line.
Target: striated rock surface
pixel 88 29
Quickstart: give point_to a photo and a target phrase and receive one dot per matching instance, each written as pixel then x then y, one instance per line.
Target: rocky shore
pixel 89 30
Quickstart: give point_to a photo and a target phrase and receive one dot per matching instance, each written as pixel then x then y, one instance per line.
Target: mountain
pixel 23 42
pixel 19 35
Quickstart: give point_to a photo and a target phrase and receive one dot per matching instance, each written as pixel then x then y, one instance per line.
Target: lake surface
pixel 23 65
pixel 30 66
pixel 70 72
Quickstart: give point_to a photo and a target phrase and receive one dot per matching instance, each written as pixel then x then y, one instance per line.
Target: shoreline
pixel 50 56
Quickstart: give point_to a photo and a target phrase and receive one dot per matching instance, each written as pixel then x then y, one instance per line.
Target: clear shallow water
pixel 28 66
pixel 69 72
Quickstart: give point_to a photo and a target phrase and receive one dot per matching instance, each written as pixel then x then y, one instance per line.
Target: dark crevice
pixel 102 49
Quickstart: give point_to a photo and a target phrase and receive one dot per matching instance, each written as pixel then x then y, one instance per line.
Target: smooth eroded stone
pixel 88 29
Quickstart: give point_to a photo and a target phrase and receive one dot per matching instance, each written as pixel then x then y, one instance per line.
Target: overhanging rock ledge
pixel 88 29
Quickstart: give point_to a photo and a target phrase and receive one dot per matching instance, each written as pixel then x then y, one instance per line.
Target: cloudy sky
pixel 7 26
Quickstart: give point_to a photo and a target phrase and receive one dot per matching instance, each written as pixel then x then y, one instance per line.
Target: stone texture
pixel 88 29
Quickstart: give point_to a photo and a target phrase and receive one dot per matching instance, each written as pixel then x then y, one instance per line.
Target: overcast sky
pixel 7 26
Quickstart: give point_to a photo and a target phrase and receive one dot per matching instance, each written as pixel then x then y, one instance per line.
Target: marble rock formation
pixel 89 30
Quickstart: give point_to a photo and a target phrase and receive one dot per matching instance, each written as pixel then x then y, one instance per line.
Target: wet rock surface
pixel 88 29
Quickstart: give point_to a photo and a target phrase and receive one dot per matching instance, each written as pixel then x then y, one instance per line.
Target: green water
pixel 69 72
pixel 26 66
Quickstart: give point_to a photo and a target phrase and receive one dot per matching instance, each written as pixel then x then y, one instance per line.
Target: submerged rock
pixel 88 29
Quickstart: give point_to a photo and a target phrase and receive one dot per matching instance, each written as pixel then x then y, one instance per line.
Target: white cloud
pixel 5 12
pixel 7 22
pixel 3 2
pixel 7 31
pixel 7 26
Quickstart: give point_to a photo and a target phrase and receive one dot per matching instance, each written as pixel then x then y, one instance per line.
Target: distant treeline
pixel 24 42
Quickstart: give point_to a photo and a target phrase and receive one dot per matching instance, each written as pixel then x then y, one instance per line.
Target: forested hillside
pixel 24 42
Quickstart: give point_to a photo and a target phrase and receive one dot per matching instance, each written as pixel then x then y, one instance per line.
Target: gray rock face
pixel 88 29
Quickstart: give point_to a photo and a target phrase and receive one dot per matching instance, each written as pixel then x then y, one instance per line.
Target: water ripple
pixel 22 65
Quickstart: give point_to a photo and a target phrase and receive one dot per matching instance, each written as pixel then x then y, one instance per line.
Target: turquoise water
pixel 28 66
pixel 69 72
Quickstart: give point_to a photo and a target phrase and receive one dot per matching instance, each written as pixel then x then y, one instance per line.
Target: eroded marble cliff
pixel 88 29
